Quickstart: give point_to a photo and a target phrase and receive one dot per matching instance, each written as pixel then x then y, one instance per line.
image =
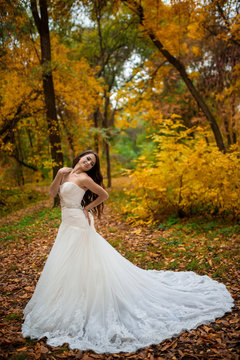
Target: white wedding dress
pixel 91 297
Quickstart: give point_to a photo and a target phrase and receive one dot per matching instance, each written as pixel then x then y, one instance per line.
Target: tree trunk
pixel 64 115
pixel 226 126
pixel 41 22
pixel 17 155
pixel 107 152
pixel 95 119
pixel 181 69
pixel 234 132
pixel 106 145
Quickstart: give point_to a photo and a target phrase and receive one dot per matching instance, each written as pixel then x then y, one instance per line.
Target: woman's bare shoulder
pixel 84 179
pixel 83 176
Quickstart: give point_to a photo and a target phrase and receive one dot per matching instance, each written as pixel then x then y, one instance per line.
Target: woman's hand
pixel 86 213
pixel 64 170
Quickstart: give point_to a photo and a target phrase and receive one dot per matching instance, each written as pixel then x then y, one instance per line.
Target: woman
pixel 91 297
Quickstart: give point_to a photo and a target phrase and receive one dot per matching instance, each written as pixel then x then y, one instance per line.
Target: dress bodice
pixel 71 195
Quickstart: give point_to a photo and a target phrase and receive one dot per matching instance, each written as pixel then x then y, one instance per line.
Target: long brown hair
pixel 95 174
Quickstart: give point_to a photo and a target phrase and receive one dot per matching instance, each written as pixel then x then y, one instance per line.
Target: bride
pixel 91 297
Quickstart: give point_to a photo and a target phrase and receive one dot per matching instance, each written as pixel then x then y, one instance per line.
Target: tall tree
pixel 41 22
pixel 177 63
pixel 22 106
pixel 215 29
pixel 108 46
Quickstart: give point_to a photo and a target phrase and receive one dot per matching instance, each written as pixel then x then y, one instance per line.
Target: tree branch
pixel 19 114
pixel 32 167
pixel 36 16
pixel 182 71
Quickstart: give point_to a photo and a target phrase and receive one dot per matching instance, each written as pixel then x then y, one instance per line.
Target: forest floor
pixel 208 247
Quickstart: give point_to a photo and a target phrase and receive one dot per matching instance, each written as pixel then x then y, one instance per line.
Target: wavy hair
pixel 95 174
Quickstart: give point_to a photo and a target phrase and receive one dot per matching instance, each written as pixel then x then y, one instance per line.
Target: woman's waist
pixel 75 216
pixel 68 205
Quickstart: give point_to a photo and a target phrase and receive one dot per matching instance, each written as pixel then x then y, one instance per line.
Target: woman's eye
pixel 88 158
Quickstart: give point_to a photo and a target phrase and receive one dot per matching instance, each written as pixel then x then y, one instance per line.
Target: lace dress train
pixel 91 297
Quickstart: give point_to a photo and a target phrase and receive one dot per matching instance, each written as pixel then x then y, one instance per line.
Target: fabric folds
pixel 91 297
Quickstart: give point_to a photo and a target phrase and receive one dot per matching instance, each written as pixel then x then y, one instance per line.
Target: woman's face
pixel 87 162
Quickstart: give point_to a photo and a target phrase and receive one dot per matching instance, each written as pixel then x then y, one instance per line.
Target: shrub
pixel 186 175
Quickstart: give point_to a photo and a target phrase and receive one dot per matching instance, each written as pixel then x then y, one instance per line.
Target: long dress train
pixel 91 297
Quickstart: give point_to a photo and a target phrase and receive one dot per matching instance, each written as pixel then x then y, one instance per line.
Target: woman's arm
pixel 54 187
pixel 88 183
pixel 97 189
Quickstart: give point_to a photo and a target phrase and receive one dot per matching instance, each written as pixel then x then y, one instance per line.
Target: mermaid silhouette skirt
pixel 91 297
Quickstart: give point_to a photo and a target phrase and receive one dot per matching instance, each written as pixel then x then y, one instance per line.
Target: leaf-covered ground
pixel 206 247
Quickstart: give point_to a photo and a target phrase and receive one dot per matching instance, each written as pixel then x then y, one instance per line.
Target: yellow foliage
pixel 196 51
pixel 124 122
pixel 185 174
pixel 194 75
pixel 169 22
pixel 77 95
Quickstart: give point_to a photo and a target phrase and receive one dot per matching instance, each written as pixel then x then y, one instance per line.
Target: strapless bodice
pixel 71 195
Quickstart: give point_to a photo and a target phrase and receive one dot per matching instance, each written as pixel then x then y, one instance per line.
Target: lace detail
pixel 91 297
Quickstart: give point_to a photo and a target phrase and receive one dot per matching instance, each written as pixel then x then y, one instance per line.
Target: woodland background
pixel 152 86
